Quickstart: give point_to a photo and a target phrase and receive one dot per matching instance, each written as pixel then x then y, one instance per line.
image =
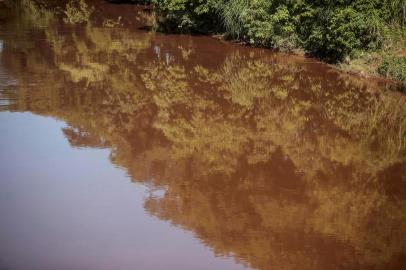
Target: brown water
pixel 127 149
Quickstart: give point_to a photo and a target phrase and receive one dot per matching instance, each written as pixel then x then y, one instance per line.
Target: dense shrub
pixel 189 15
pixel 266 24
pixel 335 29
pixel 335 34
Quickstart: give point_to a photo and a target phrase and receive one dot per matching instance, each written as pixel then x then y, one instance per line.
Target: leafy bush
pixel 188 15
pixel 395 68
pixel 260 23
pixel 336 34
pixel 335 30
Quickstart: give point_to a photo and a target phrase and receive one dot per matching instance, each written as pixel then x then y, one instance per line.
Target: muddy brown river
pixel 121 148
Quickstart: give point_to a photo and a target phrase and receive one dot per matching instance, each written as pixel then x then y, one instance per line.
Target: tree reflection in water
pixel 280 162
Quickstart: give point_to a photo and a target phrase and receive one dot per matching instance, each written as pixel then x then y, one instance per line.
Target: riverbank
pixel 389 65
pixel 366 65
pixel 360 37
pixel 365 40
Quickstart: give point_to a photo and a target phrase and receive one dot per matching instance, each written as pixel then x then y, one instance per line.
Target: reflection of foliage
pixel 81 138
pixel 258 154
pixel 77 11
pixel 25 14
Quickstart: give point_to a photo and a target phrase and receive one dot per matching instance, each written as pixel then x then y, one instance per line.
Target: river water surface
pixel 121 148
